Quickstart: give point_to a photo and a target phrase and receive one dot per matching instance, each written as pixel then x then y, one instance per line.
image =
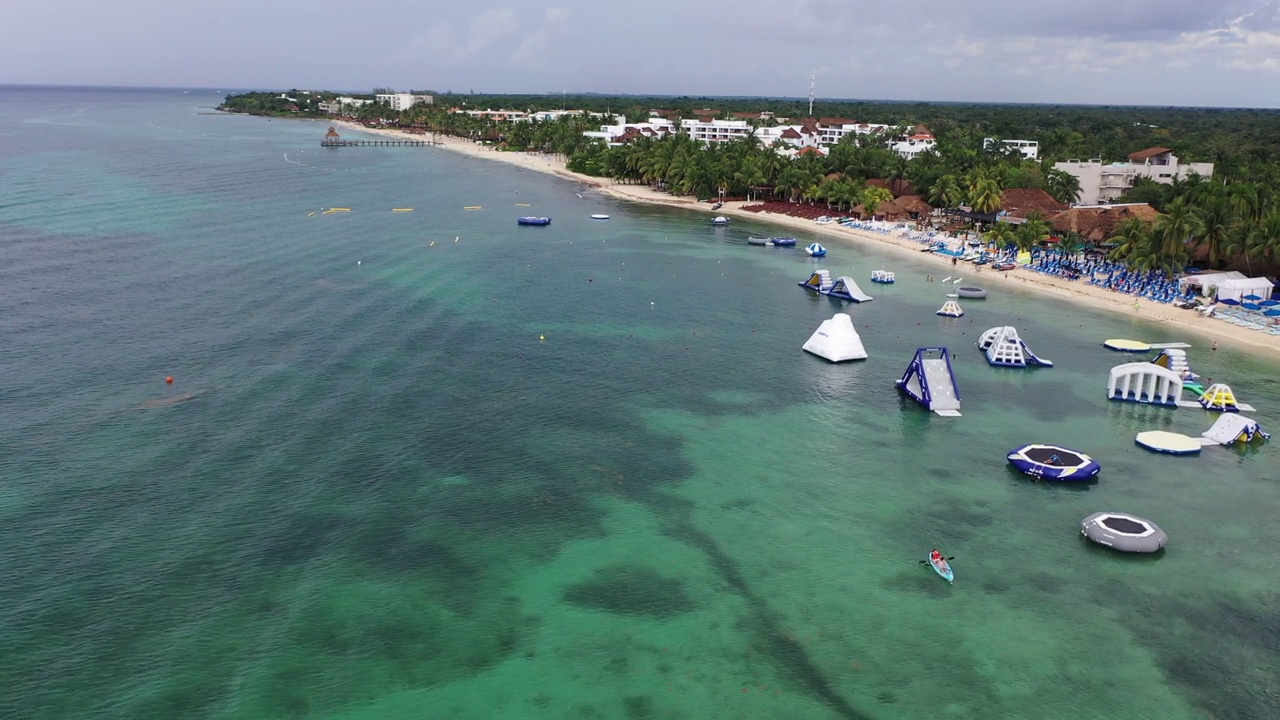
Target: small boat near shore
pixel 530 220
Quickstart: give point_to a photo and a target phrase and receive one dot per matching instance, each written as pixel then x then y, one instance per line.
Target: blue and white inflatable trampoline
pixel 1053 462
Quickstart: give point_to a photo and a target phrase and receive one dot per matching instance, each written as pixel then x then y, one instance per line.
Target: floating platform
pixel 1004 348
pixel 882 276
pixel 1168 443
pixel 1144 382
pixel 951 308
pixel 783 241
pixel 931 381
pixel 759 241
pixel 815 250
pixel 836 340
pixel 973 293
pixel 1053 462
pixel 1137 346
pixel 1124 532
pixel 719 220
pixel 843 287
pixel 600 216
pixel 1233 428
pixel 533 221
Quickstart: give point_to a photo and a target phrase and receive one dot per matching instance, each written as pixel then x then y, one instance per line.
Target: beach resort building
pixel 342 105
pixel 1103 182
pixel 788 139
pixel 1030 149
pixel 403 101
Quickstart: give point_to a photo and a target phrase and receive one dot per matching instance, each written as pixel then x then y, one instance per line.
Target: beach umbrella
pixel 1271 313
pixel 1251 306
pixel 1251 296
pixel 1229 301
pixel 1269 303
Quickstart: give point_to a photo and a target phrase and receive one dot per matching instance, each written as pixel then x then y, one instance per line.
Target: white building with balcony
pixel 403 101
pixel 1030 149
pixel 1104 182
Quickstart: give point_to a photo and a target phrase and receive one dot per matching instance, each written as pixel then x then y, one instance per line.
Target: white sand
pixel 1188 322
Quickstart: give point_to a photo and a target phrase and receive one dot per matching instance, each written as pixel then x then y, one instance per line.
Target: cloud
pixel 440 45
pixel 536 50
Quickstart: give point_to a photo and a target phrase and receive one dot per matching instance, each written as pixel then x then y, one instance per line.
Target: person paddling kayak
pixel 935 556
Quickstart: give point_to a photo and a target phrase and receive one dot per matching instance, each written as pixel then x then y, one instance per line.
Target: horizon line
pixel 583 93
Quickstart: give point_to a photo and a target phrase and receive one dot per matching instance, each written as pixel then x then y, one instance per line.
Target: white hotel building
pixel 788 139
pixel 1030 149
pixel 1103 182
pixel 403 101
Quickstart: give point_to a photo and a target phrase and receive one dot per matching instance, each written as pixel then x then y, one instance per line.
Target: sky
pixel 1145 52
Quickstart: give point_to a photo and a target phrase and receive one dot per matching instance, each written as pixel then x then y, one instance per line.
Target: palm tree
pixel 985 197
pixel 946 192
pixel 1063 186
pixel 1178 226
pixel 1131 237
pixel 874 197
pixel 1216 223
pixel 1001 235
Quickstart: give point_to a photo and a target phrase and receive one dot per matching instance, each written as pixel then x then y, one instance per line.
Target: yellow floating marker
pixel 471 207
pixel 401 209
pixel 541 337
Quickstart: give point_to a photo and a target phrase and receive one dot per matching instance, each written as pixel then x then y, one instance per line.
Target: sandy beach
pixel 1190 323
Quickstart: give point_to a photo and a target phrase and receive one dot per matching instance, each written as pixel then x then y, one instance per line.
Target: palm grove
pixel 1232 217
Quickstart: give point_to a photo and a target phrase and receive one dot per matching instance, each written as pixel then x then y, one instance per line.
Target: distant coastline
pixel 1187 321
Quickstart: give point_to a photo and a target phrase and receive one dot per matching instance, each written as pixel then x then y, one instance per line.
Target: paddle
pixel 926 562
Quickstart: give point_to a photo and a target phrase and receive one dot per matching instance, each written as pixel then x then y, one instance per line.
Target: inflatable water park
pixel 1054 462
pixel 530 220
pixel 950 308
pixel 815 250
pixel 1124 532
pixel 1144 382
pixel 882 276
pixel 931 381
pixel 1231 429
pixel 1004 348
pixel 719 220
pixel 1219 397
pixel 843 287
pixel 836 340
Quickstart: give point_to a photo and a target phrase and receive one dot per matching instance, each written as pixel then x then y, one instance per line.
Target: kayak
pixel 942 568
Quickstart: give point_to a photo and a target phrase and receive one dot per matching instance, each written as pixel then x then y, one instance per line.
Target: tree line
pixel 1232 216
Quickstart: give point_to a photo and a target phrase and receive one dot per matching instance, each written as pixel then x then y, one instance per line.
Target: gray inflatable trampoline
pixel 1127 533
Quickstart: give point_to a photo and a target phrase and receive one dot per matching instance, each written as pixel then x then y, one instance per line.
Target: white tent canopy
pixel 1208 281
pixel 1236 289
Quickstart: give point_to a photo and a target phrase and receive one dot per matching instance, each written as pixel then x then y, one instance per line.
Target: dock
pixel 376 143
pixel 332 139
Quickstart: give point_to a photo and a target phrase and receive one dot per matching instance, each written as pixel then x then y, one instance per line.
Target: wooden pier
pixel 332 139
pixel 376 143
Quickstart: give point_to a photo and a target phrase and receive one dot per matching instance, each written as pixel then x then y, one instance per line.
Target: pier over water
pixel 332 139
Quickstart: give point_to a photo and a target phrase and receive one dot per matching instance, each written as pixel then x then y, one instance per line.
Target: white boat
pixel 600 217
pixel 719 220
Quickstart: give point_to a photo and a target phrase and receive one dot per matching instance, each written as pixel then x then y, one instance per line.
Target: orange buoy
pixel 168 379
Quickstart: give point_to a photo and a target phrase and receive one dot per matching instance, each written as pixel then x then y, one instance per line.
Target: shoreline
pixel 1074 291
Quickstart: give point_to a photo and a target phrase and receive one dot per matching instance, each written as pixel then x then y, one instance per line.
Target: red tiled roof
pixel 1144 155
pixel 790 134
pixel 1021 202
pixel 1098 223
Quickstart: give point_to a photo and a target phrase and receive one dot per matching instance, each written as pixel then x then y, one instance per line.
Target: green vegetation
pixel 1234 215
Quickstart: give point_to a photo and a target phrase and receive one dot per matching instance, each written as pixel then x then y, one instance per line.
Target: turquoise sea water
pixel 581 471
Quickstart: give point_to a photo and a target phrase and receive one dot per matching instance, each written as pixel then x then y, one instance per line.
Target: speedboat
pixel 719 220
pixel 530 220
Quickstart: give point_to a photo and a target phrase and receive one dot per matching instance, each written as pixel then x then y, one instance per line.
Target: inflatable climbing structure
pixel 930 381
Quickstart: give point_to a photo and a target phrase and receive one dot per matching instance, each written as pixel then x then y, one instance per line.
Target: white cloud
pixel 536 50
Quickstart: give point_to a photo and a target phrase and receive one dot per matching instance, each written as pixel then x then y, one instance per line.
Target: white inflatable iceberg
pixel 836 340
